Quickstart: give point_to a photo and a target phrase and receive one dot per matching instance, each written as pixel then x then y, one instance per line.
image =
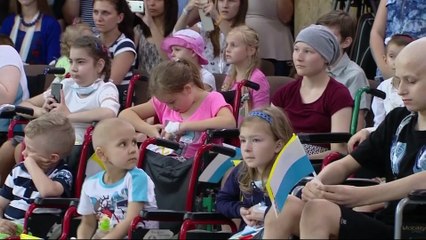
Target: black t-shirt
pixel 374 153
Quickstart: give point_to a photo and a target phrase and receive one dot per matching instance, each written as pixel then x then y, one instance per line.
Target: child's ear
pixel 251 50
pixel 278 146
pixel 347 42
pixel 187 88
pixel 54 157
pixel 101 153
pixel 100 65
pixel 120 18
pixel 385 58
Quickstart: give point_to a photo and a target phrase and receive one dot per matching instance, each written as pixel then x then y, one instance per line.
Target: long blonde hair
pixel 281 129
pixel 250 39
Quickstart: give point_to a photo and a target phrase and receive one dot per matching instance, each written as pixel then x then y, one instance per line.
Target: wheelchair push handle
pixel 223 150
pixel 9 108
pixel 250 84
pixel 167 143
pixel 54 70
pixel 377 93
pixel 223 133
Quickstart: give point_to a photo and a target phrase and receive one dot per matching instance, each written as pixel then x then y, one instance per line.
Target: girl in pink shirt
pixel 242 47
pixel 182 105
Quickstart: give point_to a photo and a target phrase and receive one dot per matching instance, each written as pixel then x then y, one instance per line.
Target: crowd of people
pixel 101 44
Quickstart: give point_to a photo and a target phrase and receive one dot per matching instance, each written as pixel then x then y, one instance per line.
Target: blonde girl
pixel 226 14
pixel 263 133
pixel 242 47
pixel 182 105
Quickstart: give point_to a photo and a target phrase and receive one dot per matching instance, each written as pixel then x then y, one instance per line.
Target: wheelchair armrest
pixel 223 133
pixel 418 195
pixel 160 214
pixel 360 182
pixel 334 137
pixel 56 201
pixel 166 143
pixel 223 150
pixel 205 216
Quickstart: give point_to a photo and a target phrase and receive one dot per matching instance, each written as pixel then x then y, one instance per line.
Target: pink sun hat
pixel 186 38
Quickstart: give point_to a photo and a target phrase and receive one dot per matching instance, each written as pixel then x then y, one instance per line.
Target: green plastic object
pixel 104 224
pixel 355 111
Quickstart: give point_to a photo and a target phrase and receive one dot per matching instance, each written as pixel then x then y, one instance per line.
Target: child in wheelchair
pixel 395 151
pixel 43 173
pixel 86 96
pixel 263 133
pixel 112 198
pixel 183 107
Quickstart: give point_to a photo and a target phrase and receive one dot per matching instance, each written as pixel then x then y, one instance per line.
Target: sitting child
pixel 263 133
pixel 43 173
pixel 188 44
pixel 112 198
pixel 242 52
pixel 87 96
pixel 185 110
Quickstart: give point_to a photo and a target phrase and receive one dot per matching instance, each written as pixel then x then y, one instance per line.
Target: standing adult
pixel 395 17
pixel 33 30
pixel 272 22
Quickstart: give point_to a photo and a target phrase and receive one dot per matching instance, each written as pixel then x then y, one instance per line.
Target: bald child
pixel 401 160
pixel 112 198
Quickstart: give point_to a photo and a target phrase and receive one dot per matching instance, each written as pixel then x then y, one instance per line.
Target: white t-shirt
pixel 105 96
pixel 10 57
pixel 381 107
pixel 208 78
pixel 111 200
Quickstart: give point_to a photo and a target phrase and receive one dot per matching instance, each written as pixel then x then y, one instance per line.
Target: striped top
pixel 86 11
pixel 123 44
pixel 19 188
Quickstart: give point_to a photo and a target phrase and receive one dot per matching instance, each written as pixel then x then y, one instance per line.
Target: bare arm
pixel 3 205
pixel 44 185
pixel 35 103
pixel 189 16
pixel 339 123
pixel 120 230
pixel 223 119
pixel 120 66
pixel 337 171
pixel 377 38
pixel 9 83
pixel 136 116
pixel 71 10
pixel 87 227
pixel 89 116
pixel 285 10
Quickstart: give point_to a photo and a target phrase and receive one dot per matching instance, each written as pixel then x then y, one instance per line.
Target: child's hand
pixel 61 107
pixel 34 161
pixel 210 10
pixel 246 216
pixel 48 103
pixel 313 190
pixel 155 130
pixel 7 227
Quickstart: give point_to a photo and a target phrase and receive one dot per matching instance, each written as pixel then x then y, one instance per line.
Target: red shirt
pixel 312 117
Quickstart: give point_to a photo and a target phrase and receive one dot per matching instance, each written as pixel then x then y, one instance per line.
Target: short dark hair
pixel 340 19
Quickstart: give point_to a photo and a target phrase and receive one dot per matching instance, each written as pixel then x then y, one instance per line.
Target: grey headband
pixel 322 40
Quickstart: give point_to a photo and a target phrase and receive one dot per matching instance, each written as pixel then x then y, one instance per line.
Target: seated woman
pixel 315 102
pixel 33 30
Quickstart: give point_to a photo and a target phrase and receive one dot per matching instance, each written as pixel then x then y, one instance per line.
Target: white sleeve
pixel 85 206
pixel 378 108
pixel 208 78
pixel 108 97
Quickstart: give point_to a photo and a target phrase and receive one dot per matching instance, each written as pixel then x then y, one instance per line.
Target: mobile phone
pixel 136 6
pixel 206 21
pixel 55 90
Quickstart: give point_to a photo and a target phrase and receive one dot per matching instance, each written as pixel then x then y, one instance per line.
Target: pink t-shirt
pixel 192 140
pixel 259 98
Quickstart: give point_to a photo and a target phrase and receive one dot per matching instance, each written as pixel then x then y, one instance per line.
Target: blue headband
pixel 261 115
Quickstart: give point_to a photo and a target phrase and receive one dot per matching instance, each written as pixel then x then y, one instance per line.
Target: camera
pixel 136 6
